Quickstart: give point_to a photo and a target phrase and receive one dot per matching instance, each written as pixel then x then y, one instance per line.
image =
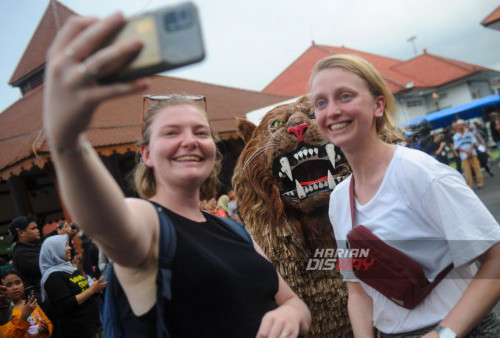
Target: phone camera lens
pixel 178 20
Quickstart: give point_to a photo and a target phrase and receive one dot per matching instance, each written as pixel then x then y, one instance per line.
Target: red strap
pixel 351 199
pixel 438 278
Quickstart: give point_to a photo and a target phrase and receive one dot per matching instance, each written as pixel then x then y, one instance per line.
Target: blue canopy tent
pixel 445 117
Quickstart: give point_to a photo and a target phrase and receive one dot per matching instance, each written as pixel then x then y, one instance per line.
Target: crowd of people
pixel 466 143
pixel 400 195
pixel 226 205
pixel 51 291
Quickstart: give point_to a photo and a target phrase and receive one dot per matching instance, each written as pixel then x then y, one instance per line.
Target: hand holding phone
pixel 28 307
pixel 171 38
pixel 29 292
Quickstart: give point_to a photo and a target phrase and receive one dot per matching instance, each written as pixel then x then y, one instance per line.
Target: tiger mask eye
pixel 277 124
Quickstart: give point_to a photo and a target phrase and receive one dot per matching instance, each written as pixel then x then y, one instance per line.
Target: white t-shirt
pixel 425 209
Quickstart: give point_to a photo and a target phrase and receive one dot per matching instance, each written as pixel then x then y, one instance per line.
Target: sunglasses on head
pixel 148 100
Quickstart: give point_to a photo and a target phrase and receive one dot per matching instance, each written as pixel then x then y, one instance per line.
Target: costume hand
pixel 75 61
pixel 98 285
pixel 4 298
pixel 28 307
pixel 43 328
pixel 282 322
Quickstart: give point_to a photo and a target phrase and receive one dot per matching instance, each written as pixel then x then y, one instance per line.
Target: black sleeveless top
pixel 221 287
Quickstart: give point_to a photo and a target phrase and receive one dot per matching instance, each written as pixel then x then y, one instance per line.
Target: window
pixel 413 103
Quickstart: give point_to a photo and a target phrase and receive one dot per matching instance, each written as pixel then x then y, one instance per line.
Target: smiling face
pixel 345 109
pixel 14 285
pixel 181 150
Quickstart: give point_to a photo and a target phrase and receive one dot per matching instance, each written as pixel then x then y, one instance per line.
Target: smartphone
pixel 171 38
pixel 29 291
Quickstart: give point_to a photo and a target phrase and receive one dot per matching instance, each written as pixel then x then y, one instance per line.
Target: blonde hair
pixel 222 202
pixel 144 178
pixel 386 128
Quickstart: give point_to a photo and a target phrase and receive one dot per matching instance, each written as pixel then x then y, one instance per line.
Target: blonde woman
pixel 412 202
pixel 222 286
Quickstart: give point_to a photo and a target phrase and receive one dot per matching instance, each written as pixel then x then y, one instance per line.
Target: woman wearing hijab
pixel 69 293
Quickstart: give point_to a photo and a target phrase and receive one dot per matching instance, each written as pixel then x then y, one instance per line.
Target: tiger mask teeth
pixel 309 171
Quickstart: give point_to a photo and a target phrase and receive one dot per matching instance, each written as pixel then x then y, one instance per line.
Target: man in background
pixel 25 258
pixel 465 143
pixel 495 131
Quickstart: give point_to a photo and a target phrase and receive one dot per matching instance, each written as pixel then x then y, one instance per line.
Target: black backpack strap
pixel 238 228
pixel 110 319
pixel 168 247
pixel 113 327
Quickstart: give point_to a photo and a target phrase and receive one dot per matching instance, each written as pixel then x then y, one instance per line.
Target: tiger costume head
pixel 283 179
pixel 287 168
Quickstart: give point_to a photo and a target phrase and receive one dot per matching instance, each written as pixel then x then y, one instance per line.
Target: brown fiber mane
pixel 289 232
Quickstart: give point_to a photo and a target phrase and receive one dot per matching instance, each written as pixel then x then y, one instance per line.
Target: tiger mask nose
pixel 298 130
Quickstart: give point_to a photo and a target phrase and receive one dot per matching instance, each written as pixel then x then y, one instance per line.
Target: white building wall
pixel 455 95
pixel 409 113
pixel 480 89
pixel 451 96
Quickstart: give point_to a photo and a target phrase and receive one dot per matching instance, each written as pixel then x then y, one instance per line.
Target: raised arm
pixel 72 92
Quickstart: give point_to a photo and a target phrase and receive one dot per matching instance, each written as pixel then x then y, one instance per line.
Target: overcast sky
pixel 251 42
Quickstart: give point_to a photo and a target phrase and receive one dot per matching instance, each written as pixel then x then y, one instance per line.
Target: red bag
pixel 393 273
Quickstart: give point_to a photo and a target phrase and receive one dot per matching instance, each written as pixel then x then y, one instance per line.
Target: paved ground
pixel 490 195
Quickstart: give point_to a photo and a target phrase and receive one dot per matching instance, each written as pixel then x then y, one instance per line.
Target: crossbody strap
pixel 351 199
pixel 438 278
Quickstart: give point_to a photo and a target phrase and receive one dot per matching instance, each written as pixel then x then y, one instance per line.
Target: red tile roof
pixel 425 70
pixel 429 70
pixel 116 124
pixel 493 19
pixel 34 55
